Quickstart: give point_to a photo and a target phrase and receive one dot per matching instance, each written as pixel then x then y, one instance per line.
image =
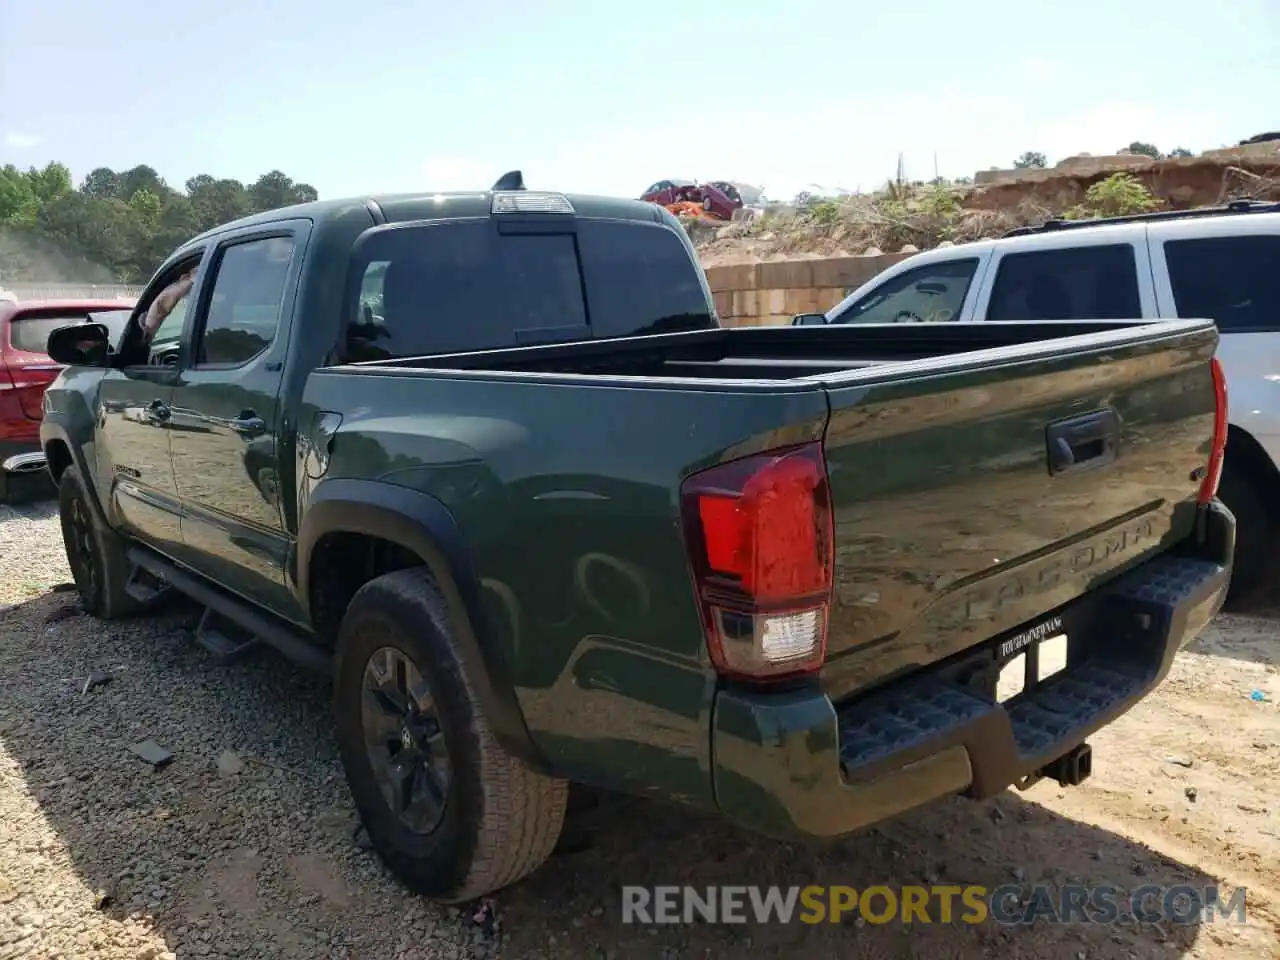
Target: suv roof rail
pixel 512 180
pixel 1232 207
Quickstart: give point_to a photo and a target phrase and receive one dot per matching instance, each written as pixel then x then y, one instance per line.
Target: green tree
pixel 1030 159
pixel 1180 152
pixel 19 204
pixel 217 201
pixel 274 190
pixel 118 224
pixel 1144 149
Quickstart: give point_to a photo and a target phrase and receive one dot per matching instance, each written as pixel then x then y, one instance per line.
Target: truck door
pixel 135 468
pixel 227 421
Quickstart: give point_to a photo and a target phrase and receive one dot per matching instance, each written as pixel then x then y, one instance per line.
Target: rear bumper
pixel 795 765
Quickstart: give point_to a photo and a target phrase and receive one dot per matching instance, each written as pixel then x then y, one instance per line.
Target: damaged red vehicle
pixel 720 198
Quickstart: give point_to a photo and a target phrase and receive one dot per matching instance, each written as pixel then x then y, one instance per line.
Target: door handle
pixel 249 425
pixel 1083 442
pixel 158 410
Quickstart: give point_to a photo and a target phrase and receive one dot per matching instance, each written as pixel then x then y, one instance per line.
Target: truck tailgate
pixel 971 499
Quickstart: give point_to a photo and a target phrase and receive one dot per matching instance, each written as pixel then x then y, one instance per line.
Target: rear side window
pixel 1078 283
pixel 933 293
pixel 1234 281
pixel 640 279
pixel 244 307
pixel 30 332
pixel 459 286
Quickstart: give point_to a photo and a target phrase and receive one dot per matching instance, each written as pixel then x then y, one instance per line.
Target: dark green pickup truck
pixel 490 460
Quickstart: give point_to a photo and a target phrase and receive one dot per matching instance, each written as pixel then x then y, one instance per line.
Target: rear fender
pixel 421 524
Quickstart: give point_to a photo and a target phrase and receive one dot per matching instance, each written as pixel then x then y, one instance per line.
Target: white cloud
pixel 19 140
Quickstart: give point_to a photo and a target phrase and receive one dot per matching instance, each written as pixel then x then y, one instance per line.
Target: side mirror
pixel 808 319
pixel 80 345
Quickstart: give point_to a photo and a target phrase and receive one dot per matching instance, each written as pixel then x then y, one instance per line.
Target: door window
pixel 1076 283
pixel 154 335
pixel 933 293
pixel 245 304
pixel 1234 281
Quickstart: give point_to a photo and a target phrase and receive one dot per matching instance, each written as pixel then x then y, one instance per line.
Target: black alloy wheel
pixel 404 740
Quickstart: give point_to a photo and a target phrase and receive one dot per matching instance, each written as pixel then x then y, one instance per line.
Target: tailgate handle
pixel 1083 442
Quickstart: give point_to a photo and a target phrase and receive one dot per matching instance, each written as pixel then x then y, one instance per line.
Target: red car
pixel 25 372
pixel 719 198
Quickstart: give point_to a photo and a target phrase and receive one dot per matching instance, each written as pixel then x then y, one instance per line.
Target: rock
pixel 229 764
pixel 1180 761
pixel 909 248
pixel 152 753
pixel 96 678
pixel 1192 793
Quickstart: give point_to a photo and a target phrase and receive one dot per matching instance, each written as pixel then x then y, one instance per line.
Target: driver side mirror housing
pixel 80 345
pixel 808 319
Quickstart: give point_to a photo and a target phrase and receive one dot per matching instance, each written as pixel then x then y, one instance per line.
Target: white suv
pixel 1221 263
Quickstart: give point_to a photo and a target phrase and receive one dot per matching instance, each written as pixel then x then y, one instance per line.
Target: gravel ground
pixel 245 845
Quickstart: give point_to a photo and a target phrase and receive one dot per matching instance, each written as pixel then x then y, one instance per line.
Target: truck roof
pixel 400 207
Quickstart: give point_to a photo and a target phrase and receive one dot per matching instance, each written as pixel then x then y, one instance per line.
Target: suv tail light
pixel 1213 474
pixel 758 532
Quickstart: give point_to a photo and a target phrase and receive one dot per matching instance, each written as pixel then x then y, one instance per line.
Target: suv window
pixel 244 305
pixel 933 293
pixel 1234 281
pixel 454 287
pixel 30 332
pixel 1076 283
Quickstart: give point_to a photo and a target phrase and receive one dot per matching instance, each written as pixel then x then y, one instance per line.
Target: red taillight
pixel 759 537
pixel 1213 473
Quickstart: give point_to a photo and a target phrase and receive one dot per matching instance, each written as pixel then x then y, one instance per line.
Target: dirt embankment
pixel 918 216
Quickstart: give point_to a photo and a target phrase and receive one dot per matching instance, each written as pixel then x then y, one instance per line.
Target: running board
pixel 146 587
pixel 261 627
pixel 224 640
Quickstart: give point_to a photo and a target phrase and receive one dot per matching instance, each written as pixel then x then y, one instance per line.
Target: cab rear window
pixel 462 285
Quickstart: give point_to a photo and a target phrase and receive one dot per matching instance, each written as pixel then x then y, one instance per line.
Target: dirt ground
pixel 245 844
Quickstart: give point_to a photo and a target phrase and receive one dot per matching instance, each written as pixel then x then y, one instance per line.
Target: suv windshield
pixel 458 286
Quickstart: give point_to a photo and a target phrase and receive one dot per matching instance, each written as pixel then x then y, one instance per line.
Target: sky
pixel 608 97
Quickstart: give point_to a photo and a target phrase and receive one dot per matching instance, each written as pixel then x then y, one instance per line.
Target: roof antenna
pixel 512 180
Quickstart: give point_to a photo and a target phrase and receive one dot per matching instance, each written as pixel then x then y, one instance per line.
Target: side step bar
pixel 292 643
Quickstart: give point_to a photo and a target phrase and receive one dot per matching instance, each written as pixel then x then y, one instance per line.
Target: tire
pixel 95 554
pixel 1241 490
pixel 500 820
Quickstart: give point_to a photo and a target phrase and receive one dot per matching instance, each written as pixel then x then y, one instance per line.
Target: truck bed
pixel 952 526
pixel 789 354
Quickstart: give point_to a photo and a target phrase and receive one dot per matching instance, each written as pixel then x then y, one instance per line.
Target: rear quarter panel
pixel 567 498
